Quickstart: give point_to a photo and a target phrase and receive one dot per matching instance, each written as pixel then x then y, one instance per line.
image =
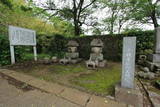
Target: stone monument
pixel 72 56
pixel 128 62
pixel 96 57
pixel 127 91
pixel 155 57
pixel 153 60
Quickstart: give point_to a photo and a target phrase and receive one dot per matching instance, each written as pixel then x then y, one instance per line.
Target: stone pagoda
pixel 72 56
pixel 96 57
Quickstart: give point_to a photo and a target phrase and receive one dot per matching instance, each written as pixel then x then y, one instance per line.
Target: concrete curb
pixel 75 96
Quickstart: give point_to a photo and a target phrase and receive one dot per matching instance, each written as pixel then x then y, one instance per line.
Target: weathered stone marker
pixel 153 60
pixel 21 36
pixel 128 63
pixel 127 91
pixel 157 44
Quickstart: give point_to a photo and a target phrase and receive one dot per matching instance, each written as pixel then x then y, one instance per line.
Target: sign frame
pixel 17 37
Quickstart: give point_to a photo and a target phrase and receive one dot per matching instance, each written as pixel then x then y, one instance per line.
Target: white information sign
pixel 21 36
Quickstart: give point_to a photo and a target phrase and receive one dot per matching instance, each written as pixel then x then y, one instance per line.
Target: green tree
pixel 145 11
pixel 75 11
pixel 117 16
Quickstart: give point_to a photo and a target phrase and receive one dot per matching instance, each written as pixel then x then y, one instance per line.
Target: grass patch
pixel 101 81
pixel 67 69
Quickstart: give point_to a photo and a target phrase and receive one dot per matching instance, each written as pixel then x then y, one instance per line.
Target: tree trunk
pixel 154 20
pixel 153 14
pixel 77 29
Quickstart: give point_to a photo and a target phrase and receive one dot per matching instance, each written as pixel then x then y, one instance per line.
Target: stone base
pixel 94 64
pixel 152 66
pixel 155 58
pixel 129 96
pixel 72 61
pixel 102 64
pixel 64 61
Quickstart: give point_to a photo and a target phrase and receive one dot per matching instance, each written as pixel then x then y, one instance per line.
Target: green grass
pixel 67 69
pixel 30 57
pixel 101 81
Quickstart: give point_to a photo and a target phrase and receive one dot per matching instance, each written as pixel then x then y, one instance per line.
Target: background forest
pixel 56 24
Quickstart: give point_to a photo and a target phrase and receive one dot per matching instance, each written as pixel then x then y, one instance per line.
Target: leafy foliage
pixel 75 11
pixel 144 11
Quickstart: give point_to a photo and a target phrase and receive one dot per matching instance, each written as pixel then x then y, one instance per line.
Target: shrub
pixel 4 50
pixel 55 45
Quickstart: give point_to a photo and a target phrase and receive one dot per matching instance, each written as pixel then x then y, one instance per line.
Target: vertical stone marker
pixel 128 63
pixel 127 92
pixel 154 59
pixel 157 44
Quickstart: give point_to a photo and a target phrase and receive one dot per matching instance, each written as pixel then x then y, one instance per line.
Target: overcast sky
pixel 100 14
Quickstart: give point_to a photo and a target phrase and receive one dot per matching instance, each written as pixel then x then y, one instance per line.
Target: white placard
pixel 22 36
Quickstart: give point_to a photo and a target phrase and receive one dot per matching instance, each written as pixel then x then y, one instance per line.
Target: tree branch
pixel 156 2
pixel 88 5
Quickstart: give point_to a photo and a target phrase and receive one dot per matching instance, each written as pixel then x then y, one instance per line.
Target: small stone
pixel 148 75
pixel 141 74
pixel 151 75
pixel 46 60
pixel 146 69
pixel 54 59
pixel 106 101
pixel 142 57
pixel 128 92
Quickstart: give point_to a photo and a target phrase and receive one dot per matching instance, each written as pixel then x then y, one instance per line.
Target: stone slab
pixel 36 83
pixel 75 96
pixel 65 96
pixel 157 44
pixel 52 88
pixel 5 71
pixel 96 101
pixel 7 91
pixel 155 58
pixel 155 98
pixel 36 98
pixel 128 62
pixel 20 77
pixel 129 96
pixel 150 65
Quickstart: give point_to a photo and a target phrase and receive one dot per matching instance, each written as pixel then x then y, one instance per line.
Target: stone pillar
pixel 127 91
pixel 128 62
pixel 155 58
pixel 157 44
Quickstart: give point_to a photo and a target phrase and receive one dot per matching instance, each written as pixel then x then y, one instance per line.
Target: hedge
pixel 112 44
pixel 55 45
